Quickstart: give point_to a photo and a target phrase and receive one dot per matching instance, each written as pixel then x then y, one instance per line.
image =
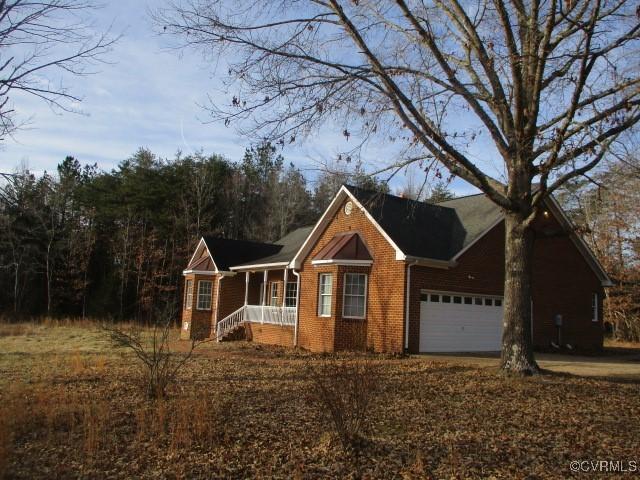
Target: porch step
pixel 230 323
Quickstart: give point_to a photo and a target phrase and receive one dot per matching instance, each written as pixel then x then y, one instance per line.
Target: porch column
pixel 284 292
pixel 265 276
pixel 246 287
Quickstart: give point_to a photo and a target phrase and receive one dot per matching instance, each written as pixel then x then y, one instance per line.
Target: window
pixel 457 299
pixel 424 297
pixel 594 307
pixel 354 296
pixel 204 294
pixel 435 298
pixel 497 302
pixel 291 295
pixel 325 284
pixel 446 299
pixel 188 295
pixel 468 300
pixel 477 301
pixel 488 302
pixel 273 295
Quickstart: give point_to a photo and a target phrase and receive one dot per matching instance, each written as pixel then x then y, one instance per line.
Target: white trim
pixel 208 253
pixel 366 285
pixel 579 242
pixel 342 262
pixel 431 262
pixel 259 266
pixel 327 217
pixel 198 296
pixel 246 287
pixel 201 272
pixel 461 294
pixel 271 297
pixel 188 305
pixel 475 240
pixel 208 272
pixel 319 296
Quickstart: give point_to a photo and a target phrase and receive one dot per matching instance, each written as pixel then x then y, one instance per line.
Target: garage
pixel 460 322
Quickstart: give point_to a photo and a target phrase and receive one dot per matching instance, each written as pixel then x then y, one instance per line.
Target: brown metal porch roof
pixel 344 246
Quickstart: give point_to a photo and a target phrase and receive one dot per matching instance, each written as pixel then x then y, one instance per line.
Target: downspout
pixel 407 301
pixel 295 325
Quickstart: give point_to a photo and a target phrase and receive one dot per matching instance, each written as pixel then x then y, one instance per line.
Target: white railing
pixel 285 316
pixel 229 323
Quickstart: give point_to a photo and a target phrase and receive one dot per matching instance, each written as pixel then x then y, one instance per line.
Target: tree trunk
pixel 517 347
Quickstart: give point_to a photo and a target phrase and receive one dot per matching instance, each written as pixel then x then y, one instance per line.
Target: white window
pixel 273 296
pixel 594 307
pixel 354 295
pixel 325 284
pixel 204 294
pixel 188 295
pixel 291 295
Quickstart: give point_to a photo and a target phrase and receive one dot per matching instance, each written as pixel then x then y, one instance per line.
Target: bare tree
pixel 40 43
pixel 544 87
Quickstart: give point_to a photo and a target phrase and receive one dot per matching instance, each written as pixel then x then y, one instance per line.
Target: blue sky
pixel 148 96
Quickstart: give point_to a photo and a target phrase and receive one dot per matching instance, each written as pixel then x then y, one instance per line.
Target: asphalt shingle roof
pixel 419 229
pixel 435 231
pixel 227 253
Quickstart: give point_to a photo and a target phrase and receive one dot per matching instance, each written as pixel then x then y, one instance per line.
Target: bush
pixel 344 392
pixel 159 364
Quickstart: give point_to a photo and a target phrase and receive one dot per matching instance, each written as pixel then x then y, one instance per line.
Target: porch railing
pixel 285 316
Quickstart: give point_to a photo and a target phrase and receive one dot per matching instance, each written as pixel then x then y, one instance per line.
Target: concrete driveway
pixel 611 365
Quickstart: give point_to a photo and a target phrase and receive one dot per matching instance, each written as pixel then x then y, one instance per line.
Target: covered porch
pixel 270 297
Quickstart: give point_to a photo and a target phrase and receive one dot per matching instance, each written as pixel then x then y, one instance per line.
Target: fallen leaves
pixel 238 412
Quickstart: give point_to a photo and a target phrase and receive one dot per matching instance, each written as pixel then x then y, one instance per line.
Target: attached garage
pixel 460 322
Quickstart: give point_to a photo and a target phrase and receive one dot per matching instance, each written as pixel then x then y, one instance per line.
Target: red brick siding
pixel 269 334
pixel 563 283
pixel 479 270
pixel 231 294
pixel 200 321
pixel 385 303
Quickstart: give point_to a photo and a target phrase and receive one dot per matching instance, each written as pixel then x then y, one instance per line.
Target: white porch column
pixel 284 292
pixel 246 287
pixel 265 276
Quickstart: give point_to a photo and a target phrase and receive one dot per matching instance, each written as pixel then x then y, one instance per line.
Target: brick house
pixel 390 274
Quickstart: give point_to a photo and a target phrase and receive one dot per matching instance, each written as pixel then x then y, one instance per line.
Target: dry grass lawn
pixel 70 407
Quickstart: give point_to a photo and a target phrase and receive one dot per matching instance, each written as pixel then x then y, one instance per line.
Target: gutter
pixel 431 262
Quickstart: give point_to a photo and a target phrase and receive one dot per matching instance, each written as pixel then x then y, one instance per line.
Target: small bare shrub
pixel 94 426
pixel 160 365
pixel 344 391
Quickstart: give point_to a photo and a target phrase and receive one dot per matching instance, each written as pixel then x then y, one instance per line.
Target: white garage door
pixel 458 322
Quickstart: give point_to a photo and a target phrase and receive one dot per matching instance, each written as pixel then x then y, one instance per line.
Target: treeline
pixel 606 210
pixel 82 242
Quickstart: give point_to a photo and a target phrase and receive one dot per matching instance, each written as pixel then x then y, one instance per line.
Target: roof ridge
pixel 461 197
pixel 397 197
pixel 254 242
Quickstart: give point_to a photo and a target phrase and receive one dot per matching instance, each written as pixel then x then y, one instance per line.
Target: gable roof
pixel 288 246
pixel 226 252
pixel 426 230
